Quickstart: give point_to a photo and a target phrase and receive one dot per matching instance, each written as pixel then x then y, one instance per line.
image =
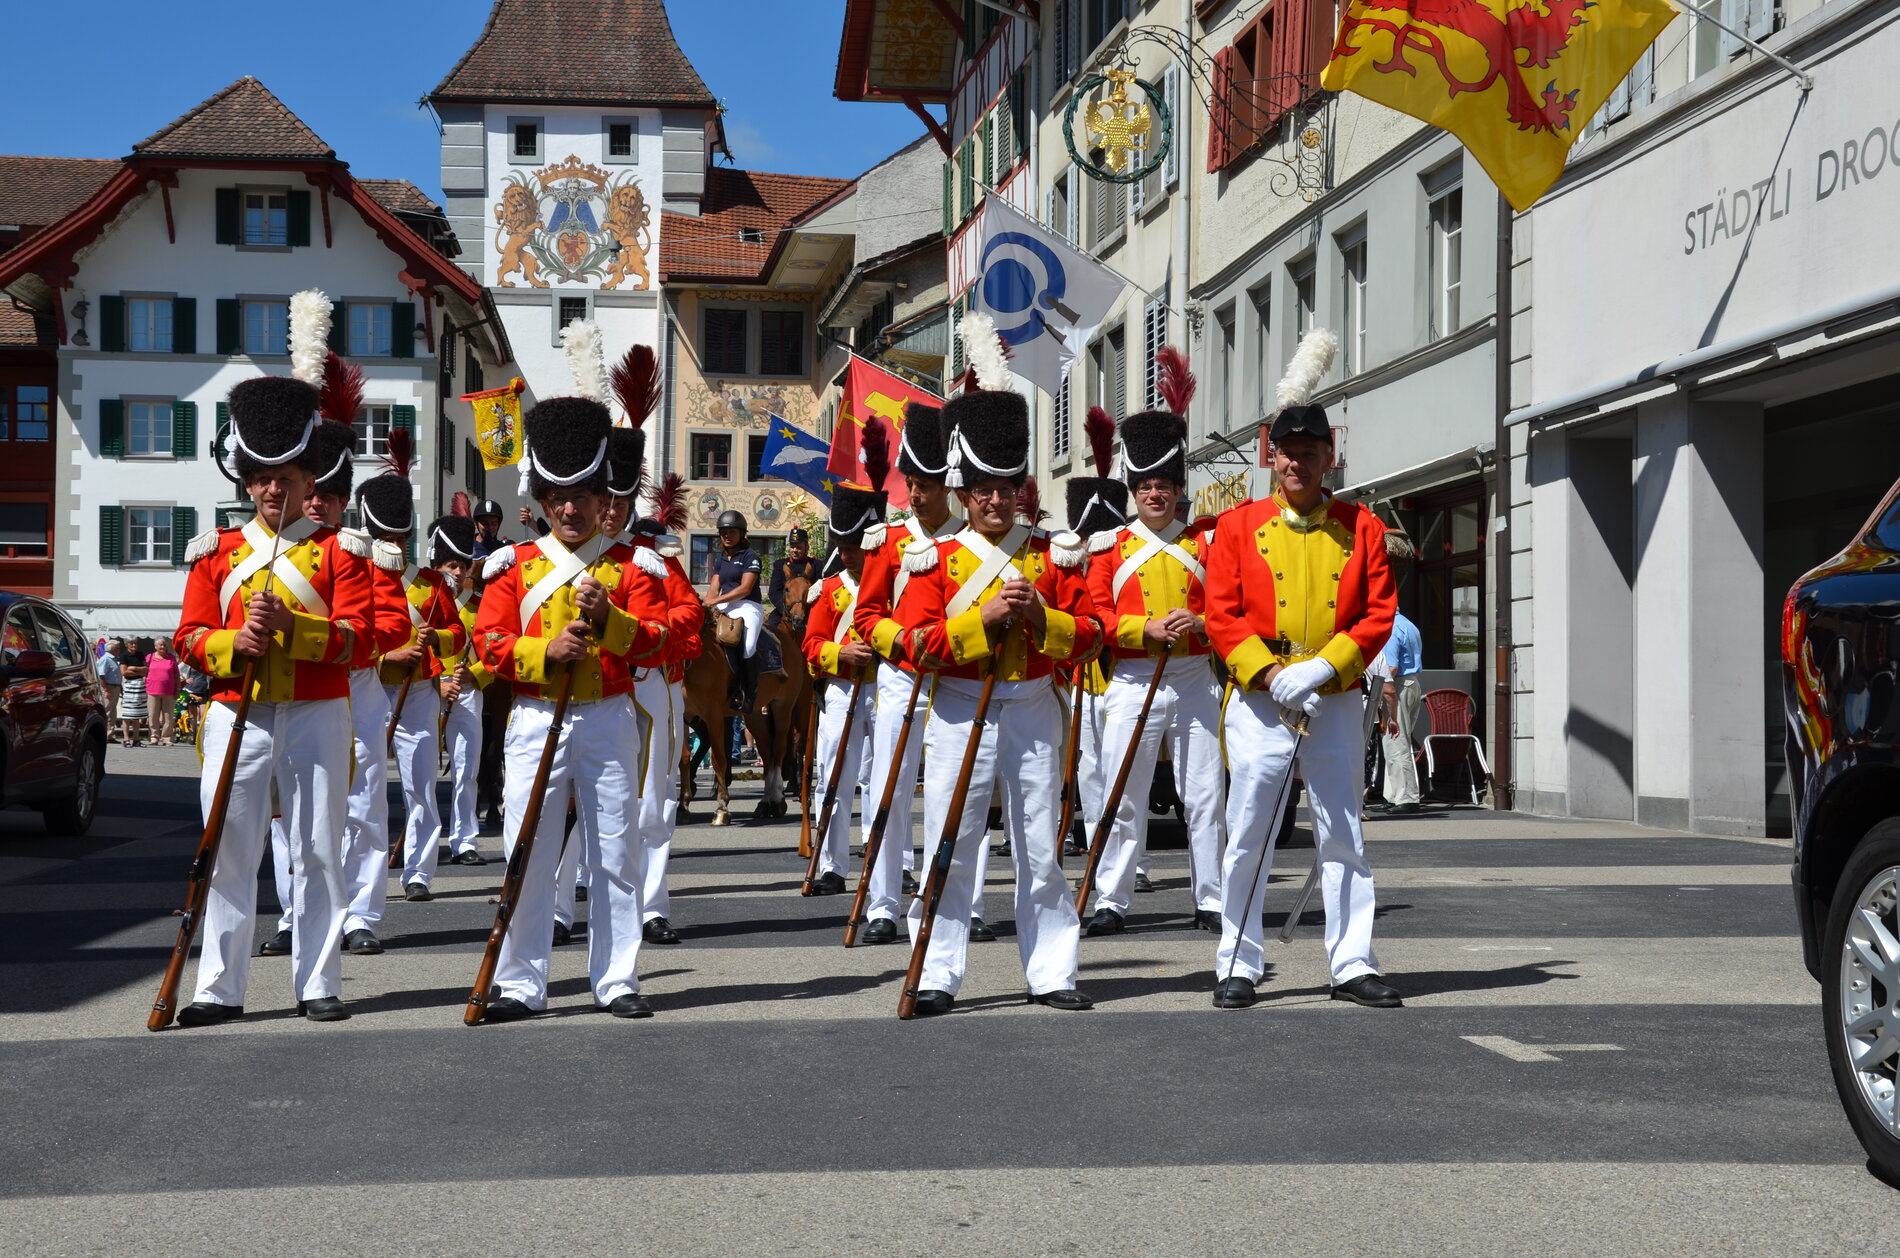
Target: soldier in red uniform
pixel 283 593
pixel 451 546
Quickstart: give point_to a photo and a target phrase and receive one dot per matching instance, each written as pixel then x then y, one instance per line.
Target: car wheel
pixel 73 815
pixel 1860 999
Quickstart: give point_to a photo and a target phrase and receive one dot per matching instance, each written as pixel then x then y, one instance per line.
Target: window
pixel 23 530
pixel 471 370
pixel 148 428
pixel 148 535
pixel 25 412
pixel 1107 361
pixel 148 325
pixel 751 235
pixel 704 546
pixel 370 329
pixel 1101 18
pixel 524 139
pixel 1442 590
pixel 1060 426
pixel 1445 262
pixel 266 218
pixel 19 636
pixel 734 343
pixel 620 140
pixel 711 455
pixel 1108 212
pixel 724 342
pixel 1270 69
pixel 1154 337
pixel 67 648
pixel 1262 358
pixel 1066 33
pixel 1352 304
pixel 372 432
pixel 781 342
pixel 477 470
pixel 1223 369
pixel 755 459
pixel 1303 307
pixel 266 327
pixel 1059 210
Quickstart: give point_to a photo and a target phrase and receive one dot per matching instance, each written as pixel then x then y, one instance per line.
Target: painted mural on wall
pixel 572 223
pixel 748 405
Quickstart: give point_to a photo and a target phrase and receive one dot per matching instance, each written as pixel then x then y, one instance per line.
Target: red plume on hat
pixel 669 504
pixel 876 451
pixel 1100 429
pixel 340 396
pixel 1029 502
pixel 636 383
pixel 1175 382
pixel 458 505
pixel 402 452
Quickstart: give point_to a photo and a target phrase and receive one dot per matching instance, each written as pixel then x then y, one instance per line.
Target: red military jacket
pixel 430 617
pixel 684 613
pixel 325 586
pixel 1282 588
pixel 516 649
pixel 882 613
pixel 831 625
pixel 652 595
pixel 948 636
pixel 1132 581
pixel 390 615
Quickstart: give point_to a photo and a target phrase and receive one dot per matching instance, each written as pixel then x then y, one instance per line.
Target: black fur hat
pixel 566 440
pixel 273 424
pixel 1096 503
pixel 388 503
pixel 452 537
pixel 987 435
pixel 1154 443
pixel 336 464
pixel 626 460
pixel 852 511
pixel 920 451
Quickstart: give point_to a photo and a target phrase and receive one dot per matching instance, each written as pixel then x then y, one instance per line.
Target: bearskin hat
pixel 336 464
pixel 987 436
pixel 854 510
pixel 920 451
pixel 1154 443
pixel 565 442
pixel 1096 503
pixel 452 537
pixel 626 459
pixel 273 424
pixel 388 503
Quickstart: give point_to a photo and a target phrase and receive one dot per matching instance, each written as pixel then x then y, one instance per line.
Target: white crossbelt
pixel 568 565
pixel 991 562
pixel 294 581
pixel 844 619
pixel 948 529
pixel 1152 544
pixel 409 575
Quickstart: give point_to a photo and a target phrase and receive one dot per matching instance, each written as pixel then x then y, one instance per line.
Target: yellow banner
pixel 498 423
pixel 1515 80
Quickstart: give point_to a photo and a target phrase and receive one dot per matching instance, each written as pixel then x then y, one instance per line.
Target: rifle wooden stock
pixel 1113 803
pixel 1071 789
pixel 402 697
pixel 874 841
pixel 804 777
pixel 831 786
pixel 518 859
pixel 946 852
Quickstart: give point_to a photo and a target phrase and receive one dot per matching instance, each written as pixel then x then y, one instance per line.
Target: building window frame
pixel 271 233
pixel 1352 250
pixel 159 325
pixel 1260 305
pixel 367 346
pixel 374 422
pixel 1226 344
pixel 755 339
pixel 161 517
pixel 278 337
pixel 1303 283
pixel 1444 261
pixel 694 436
pixel 557 306
pixel 159 418
pixel 701 549
pixel 755 443
pixel 12 402
pixel 608 123
pixel 512 141
pixel 1061 422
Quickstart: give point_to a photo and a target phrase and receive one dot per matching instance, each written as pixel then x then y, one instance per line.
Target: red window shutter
pixel 1220 123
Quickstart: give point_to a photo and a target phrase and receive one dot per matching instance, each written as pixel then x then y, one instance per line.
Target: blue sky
pixel 354 70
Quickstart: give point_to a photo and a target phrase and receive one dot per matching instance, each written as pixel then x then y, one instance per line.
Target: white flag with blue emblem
pixel 1046 296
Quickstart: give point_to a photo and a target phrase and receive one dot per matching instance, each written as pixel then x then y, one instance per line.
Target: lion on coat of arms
pixel 629 221
pixel 519 215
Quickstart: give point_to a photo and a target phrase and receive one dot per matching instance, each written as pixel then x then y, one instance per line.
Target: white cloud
pixel 748 146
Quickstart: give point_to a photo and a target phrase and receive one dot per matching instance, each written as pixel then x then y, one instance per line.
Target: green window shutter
pixel 227 216
pixel 111 428
pixel 297 223
pixel 184 325
pixel 230 326
pixel 185 430
pixel 339 327
pixel 112 324
pixel 949 195
pixel 966 192
pixel 224 422
pixel 403 417
pixel 184 528
pixel 402 330
pixel 111 536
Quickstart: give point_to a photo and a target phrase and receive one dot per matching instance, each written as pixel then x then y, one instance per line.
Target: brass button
pixel 1329 602
pixel 1283 602
pixel 1335 576
pixel 1279 576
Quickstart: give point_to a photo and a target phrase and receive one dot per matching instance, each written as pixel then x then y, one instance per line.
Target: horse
pixel 704 689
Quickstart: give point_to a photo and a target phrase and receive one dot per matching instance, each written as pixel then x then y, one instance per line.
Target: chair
pixel 1451 712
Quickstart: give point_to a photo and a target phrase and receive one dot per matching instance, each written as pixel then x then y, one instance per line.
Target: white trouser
pixel 301 750
pixel 1332 764
pixel 366 829
pixel 893 698
pixel 463 733
pixel 660 714
pixel 280 869
pixel 1091 766
pixel 570 875
pixel 590 760
pixel 1186 715
pixel 752 616
pixel 834 845
pixel 1020 749
pixel 1401 769
pixel 416 750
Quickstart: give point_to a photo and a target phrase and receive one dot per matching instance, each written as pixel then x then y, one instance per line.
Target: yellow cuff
pixel 968 639
pixel 1129 633
pixel 617 637
pixel 531 661
pixel 308 637
pixel 884 636
pixel 1058 634
pixel 220 652
pixel 828 657
pixel 1343 654
pixel 444 641
pixel 1249 660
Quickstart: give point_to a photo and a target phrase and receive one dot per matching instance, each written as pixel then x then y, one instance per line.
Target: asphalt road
pixel 777 1105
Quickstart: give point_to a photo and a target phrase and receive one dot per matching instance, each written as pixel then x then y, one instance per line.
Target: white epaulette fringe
pixel 920 555
pixel 205 543
pixel 355 541
pixel 388 556
pixel 670 546
pixel 1103 539
pixel 815 593
pixel 648 560
pixel 498 562
pixel 1067 550
pixel 874 536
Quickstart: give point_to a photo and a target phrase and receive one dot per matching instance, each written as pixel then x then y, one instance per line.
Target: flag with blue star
pixel 795 455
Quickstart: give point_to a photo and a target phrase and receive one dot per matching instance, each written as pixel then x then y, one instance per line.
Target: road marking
pixel 1507 1047
pixel 1508 948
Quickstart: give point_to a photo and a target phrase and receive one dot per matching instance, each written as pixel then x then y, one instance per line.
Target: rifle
pixel 1113 803
pixel 804 780
pixel 198 881
pixel 1374 690
pixel 831 787
pixel 402 697
pixel 1070 788
pixel 874 841
pixel 1298 722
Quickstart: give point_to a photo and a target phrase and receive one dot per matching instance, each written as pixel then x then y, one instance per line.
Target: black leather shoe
pixel 507 1009
pixel 1235 993
pixel 470 857
pixel 362 943
pixel 1068 998
pixel 880 930
pixel 491 818
pixel 1207 920
pixel 831 883
pixel 658 930
pixel 910 884
pixel 981 933
pixel 1105 922
pixel 1142 884
pixel 631 1005
pixel 580 893
pixel 1369 991
pixel 563 935
pixel 208 1013
pixel 933 1004
pixel 278 945
pixel 1002 849
pixel 323 1009
pixel 416 891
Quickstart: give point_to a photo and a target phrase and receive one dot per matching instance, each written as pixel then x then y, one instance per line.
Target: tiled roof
pixel 399 196
pixel 39 191
pixel 580 51
pixel 243 122
pixel 709 246
pixel 16 326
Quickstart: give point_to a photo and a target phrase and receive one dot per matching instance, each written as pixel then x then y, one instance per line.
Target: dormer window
pixel 266 218
pixel 751 236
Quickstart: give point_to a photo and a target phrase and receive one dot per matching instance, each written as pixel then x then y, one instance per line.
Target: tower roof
pixel 583 52
pixel 243 122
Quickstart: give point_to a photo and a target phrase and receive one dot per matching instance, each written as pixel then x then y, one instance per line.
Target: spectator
pixel 161 690
pixel 110 675
pixel 132 706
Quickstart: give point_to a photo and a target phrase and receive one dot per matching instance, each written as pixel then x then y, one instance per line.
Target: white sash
pixel 568 565
pixel 949 529
pixel 1152 544
pixel 844 618
pixel 293 581
pixel 409 575
pixel 991 561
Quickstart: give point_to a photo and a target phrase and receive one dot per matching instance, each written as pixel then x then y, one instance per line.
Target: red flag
pixel 871 392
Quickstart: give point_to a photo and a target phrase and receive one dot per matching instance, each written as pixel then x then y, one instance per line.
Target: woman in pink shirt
pixel 161 688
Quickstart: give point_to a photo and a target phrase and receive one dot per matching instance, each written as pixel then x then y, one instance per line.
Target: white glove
pixel 1295 683
pixel 1312 705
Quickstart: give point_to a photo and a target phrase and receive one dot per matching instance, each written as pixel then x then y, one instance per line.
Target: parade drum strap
pixel 1152 544
pixel 288 575
pixel 568 565
pixel 992 561
pixel 844 618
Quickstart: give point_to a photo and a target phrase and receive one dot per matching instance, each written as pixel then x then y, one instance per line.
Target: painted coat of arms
pixel 573 223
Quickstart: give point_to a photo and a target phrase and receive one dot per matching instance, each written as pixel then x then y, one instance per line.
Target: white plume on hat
pixel 309 335
pixel 984 349
pixel 586 359
pixel 1308 366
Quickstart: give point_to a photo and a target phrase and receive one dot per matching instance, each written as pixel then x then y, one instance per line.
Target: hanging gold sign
pixel 1126 138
